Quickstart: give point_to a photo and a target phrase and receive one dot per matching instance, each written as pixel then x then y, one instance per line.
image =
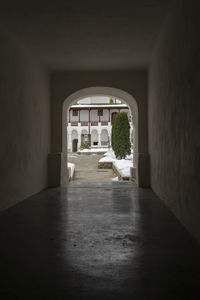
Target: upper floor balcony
pixel 92 123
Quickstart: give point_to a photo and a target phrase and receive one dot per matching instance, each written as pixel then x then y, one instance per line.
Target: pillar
pixel 99 138
pixel 79 141
pixel 57 171
pixel 69 141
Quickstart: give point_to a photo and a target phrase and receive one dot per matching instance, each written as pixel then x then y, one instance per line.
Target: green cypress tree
pixel 121 135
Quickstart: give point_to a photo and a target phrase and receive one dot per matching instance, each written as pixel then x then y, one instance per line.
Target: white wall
pixel 84 115
pixel 74 134
pixel 104 135
pixel 24 123
pixel 94 136
pixel 84 131
pixel 105 116
pixel 94 115
pixel 174 115
pixel 73 118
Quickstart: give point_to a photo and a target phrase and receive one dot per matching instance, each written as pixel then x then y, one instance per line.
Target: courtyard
pixel 86 168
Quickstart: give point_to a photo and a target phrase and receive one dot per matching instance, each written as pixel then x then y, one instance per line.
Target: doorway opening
pixel 112 116
pixel 75 145
pixel 87 127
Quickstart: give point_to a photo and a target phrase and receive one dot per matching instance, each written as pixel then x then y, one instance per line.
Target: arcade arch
pixel 94 137
pixel 104 137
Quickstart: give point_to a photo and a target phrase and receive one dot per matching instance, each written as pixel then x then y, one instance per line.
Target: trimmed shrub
pixel 85 145
pixel 121 135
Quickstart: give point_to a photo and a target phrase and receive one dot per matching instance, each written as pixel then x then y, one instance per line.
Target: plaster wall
pixel 104 135
pixel 174 115
pixel 24 123
pixel 73 118
pixel 105 116
pixel 74 134
pixel 94 136
pixel 94 115
pixel 84 115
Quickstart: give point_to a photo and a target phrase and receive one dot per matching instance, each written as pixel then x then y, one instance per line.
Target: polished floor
pixel 106 240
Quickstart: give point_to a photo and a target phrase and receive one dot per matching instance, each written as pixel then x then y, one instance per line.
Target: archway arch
pixel 84 132
pixel 102 91
pixel 104 137
pixel 94 137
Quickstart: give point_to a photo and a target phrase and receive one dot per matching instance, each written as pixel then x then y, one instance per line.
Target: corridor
pixel 107 240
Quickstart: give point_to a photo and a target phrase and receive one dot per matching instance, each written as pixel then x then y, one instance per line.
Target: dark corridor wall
pixel 24 123
pixel 174 115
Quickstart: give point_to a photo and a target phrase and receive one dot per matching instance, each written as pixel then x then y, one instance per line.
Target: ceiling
pixel 85 34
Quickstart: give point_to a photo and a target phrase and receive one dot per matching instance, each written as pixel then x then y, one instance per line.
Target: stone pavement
pixel 86 168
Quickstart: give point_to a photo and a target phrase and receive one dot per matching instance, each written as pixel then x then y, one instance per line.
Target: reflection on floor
pixel 96 241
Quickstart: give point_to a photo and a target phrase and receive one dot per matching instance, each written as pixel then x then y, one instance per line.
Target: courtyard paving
pixel 86 168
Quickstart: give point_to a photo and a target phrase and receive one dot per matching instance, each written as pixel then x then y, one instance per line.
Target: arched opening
pixel 103 91
pixel 74 141
pixel 94 137
pixel 75 145
pixel 113 115
pixel 104 137
pixel 84 136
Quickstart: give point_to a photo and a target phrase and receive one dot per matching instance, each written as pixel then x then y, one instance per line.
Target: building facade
pixel 92 123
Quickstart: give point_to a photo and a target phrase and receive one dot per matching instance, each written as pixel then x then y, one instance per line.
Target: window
pixel 74 112
pixel 100 112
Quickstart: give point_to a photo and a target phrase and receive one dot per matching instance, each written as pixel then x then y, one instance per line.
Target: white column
pixel 79 141
pixel 69 141
pixel 99 137
pixel 69 137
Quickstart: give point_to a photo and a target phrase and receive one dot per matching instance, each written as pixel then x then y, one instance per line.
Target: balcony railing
pixel 104 123
pixel 74 123
pixel 84 123
pixel 94 123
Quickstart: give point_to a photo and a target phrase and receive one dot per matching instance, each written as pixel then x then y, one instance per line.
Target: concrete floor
pixel 106 240
pixel 86 168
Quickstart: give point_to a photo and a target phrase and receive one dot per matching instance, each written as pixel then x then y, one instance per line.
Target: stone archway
pixel 102 91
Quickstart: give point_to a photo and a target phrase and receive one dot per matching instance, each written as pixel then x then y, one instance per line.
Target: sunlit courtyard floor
pixel 86 168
